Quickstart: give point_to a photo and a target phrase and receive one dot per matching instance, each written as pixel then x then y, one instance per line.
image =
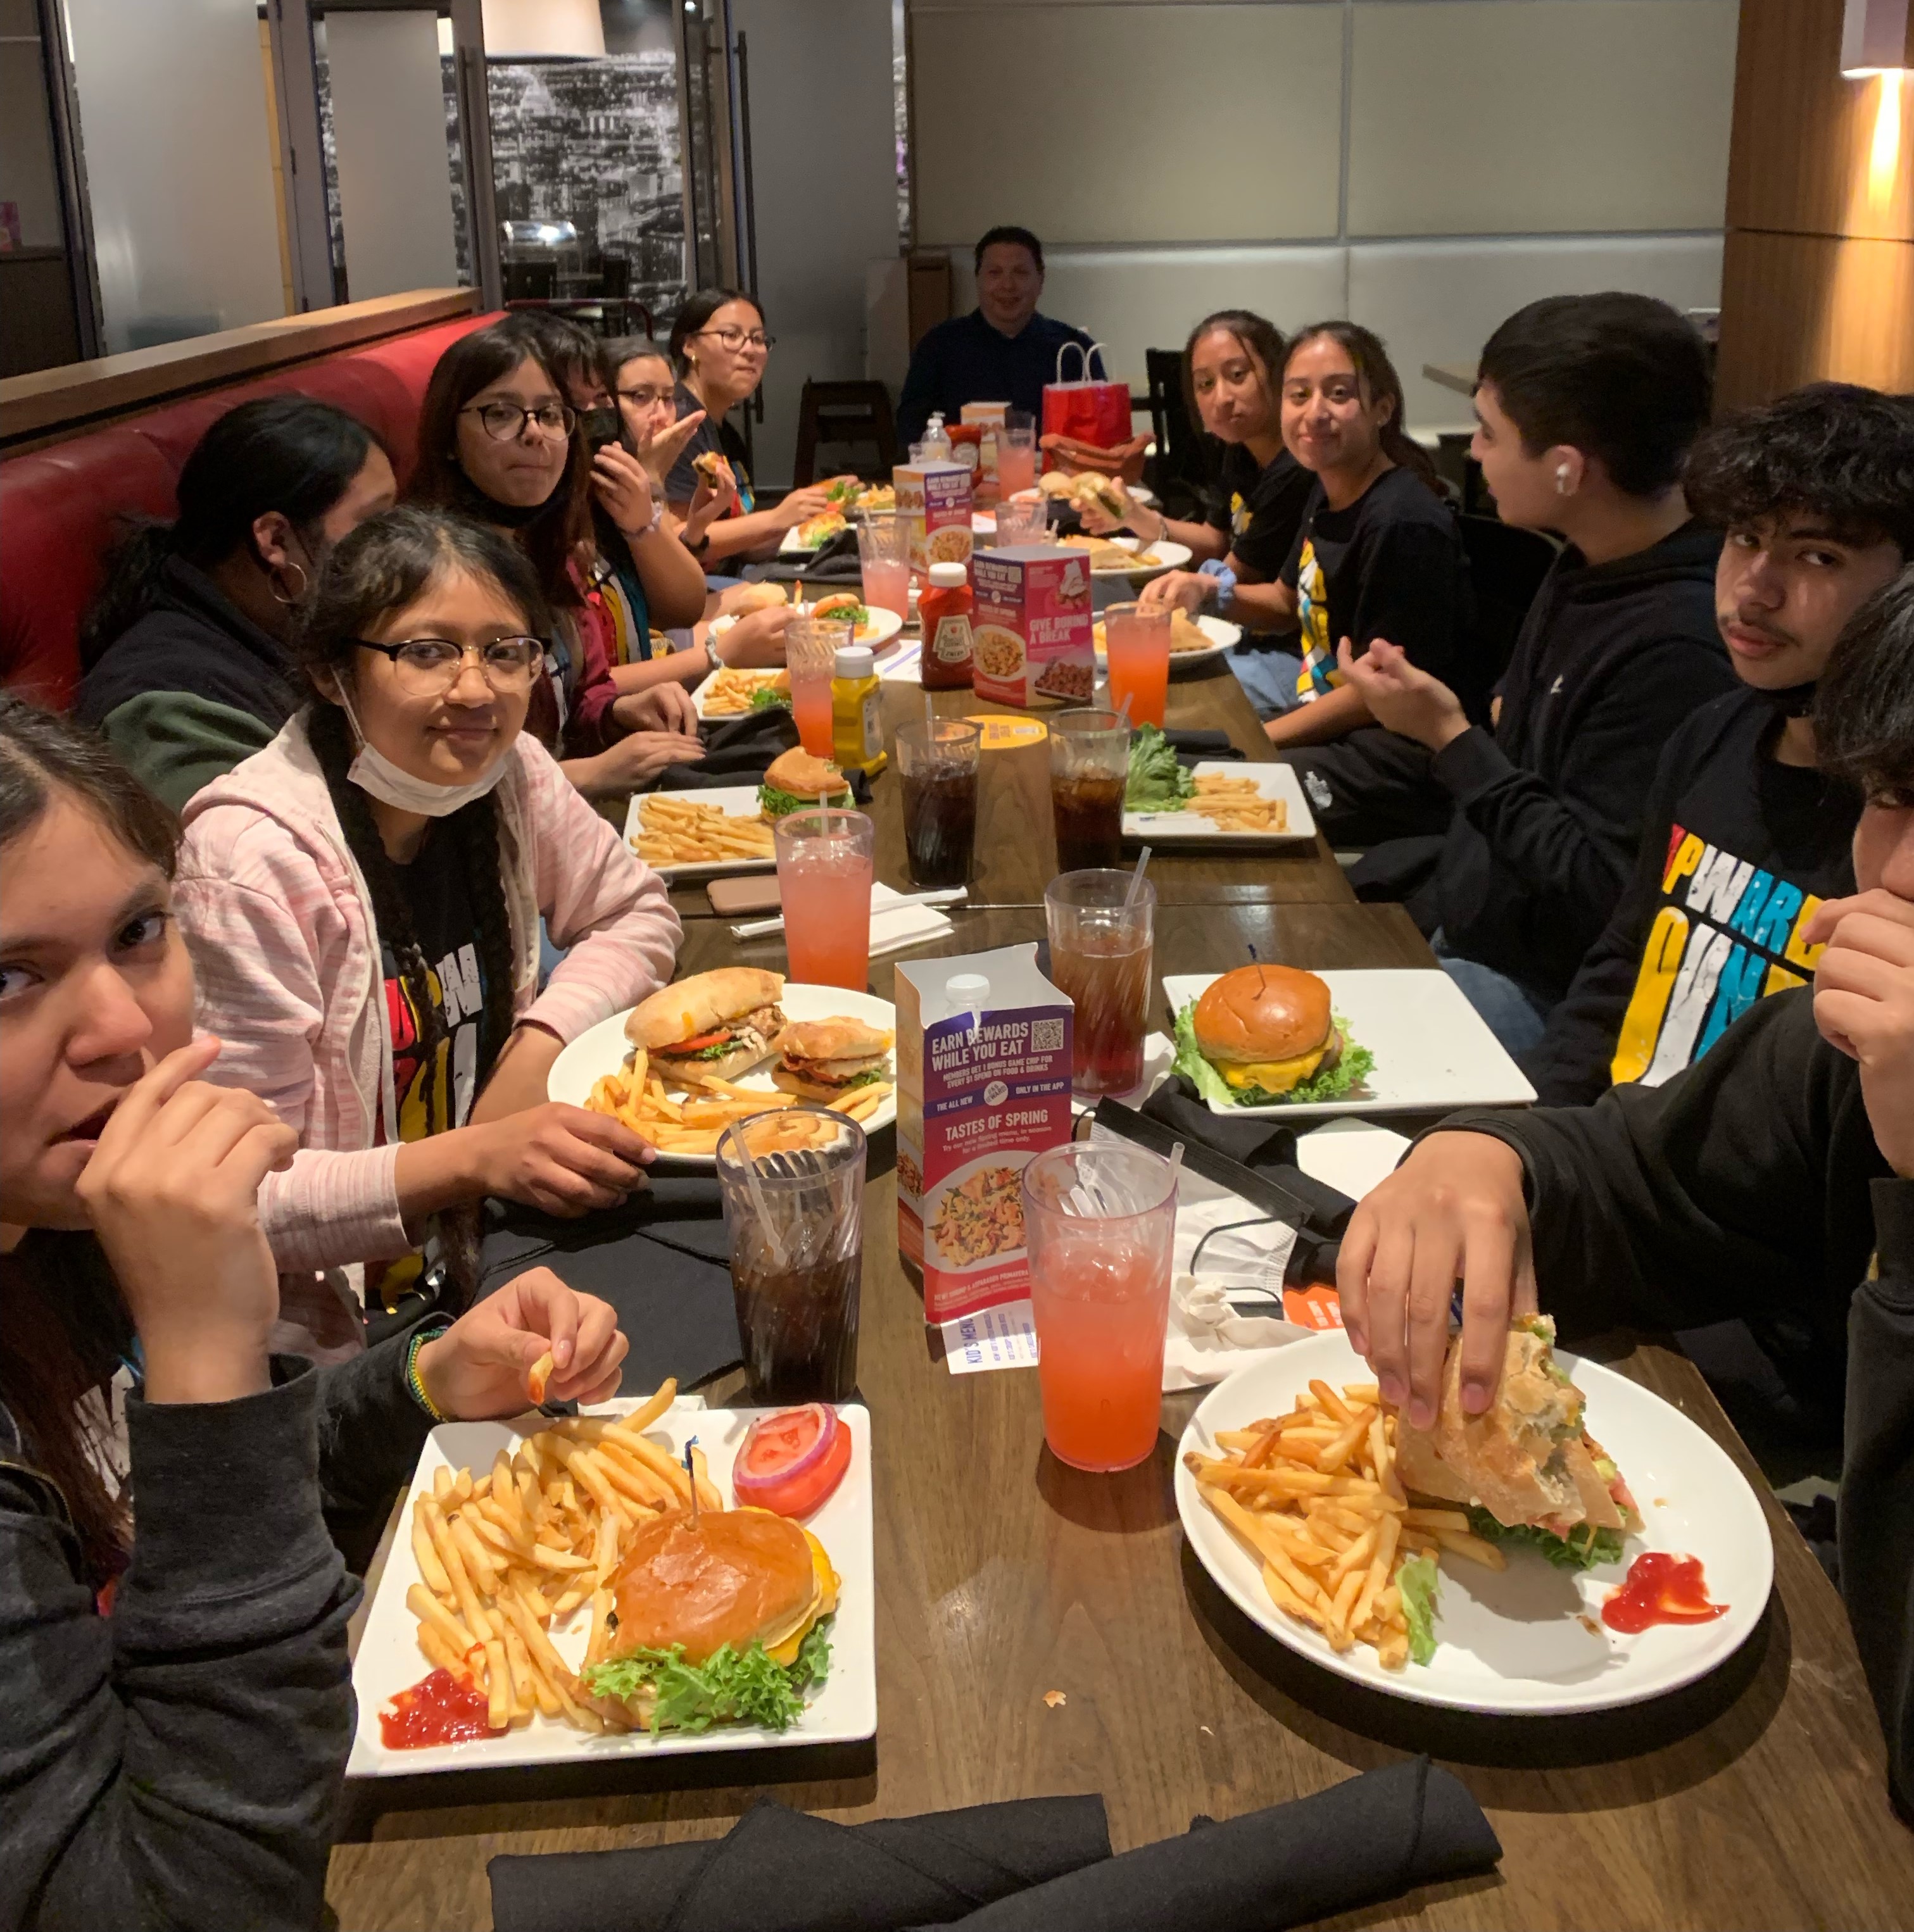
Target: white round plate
pixel 1223 636
pixel 1169 556
pixel 1512 1641
pixel 604 1049
pixel 884 625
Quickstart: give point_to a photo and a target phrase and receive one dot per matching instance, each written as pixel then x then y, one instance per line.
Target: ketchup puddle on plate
pixel 440 1709
pixel 1660 1588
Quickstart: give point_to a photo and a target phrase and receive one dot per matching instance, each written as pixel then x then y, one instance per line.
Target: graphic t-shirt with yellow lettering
pixel 1738 851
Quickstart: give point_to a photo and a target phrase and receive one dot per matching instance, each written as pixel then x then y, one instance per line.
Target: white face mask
pixel 376 774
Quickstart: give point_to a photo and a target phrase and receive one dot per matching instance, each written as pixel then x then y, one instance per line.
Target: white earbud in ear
pixel 1562 479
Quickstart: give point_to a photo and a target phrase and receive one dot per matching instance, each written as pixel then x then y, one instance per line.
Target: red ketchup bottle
pixel 944 612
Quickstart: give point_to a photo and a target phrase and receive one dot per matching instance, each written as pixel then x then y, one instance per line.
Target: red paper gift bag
pixel 1084 411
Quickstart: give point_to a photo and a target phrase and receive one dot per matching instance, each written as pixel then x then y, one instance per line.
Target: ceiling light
pixel 1877 36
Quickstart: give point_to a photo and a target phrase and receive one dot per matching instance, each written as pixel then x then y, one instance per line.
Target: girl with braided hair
pixel 363 897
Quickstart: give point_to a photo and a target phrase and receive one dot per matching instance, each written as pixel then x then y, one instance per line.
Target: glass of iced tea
pixel 1089 769
pixel 1099 1221
pixel 824 871
pixel 936 763
pixel 1102 940
pixel 792 1187
pixel 1138 641
pixel 811 650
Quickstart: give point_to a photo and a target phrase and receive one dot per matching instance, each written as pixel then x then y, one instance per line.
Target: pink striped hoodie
pixel 276 916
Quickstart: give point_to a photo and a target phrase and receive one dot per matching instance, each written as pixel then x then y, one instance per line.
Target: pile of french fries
pixel 675 830
pixel 1236 805
pixel 509 1556
pixel 1314 1497
pixel 730 691
pixel 693 1121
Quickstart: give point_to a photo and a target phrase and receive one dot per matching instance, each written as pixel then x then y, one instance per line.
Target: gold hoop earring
pixel 272 583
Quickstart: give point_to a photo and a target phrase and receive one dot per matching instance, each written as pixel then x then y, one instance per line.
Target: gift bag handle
pixel 1063 349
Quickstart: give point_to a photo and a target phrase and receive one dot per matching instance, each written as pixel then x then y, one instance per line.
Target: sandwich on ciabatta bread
pixel 722 1022
pixel 1526 1468
pixel 717 1622
pixel 821 1059
pixel 1264 1034
pixel 797 782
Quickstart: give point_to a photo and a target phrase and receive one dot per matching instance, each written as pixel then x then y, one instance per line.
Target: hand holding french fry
pixel 484 1364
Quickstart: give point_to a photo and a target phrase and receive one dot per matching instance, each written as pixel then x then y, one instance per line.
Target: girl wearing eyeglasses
pixel 719 345
pixel 362 901
pixel 497 440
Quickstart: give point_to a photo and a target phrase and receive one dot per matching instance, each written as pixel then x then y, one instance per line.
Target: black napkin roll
pixel 1250 1157
pixel 661 1260
pixel 779 1871
pixel 1370 1838
pixel 836 561
pixel 1207 746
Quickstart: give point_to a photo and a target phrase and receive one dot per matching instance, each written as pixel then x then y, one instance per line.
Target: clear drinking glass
pixel 1089 769
pixel 1137 640
pixel 937 764
pixel 883 550
pixel 824 872
pixel 1026 521
pixel 792 1187
pixel 810 648
pixel 1016 453
pixel 1100 1223
pixel 1102 942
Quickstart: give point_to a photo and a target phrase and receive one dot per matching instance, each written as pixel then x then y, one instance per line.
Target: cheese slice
pixel 1275 1076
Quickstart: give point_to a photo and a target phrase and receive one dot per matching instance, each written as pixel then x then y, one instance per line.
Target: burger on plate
pixel 844 607
pixel 722 1022
pixel 1525 1468
pixel 823 1060
pixel 798 782
pixel 713 468
pixel 719 1620
pixel 1264 1035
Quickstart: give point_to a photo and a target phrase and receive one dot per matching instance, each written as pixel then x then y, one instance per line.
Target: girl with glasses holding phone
pixel 499 440
pixel 362 900
pixel 719 345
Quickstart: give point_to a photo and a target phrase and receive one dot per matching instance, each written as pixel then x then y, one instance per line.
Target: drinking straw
pixel 1176 1165
pixel 1122 710
pixel 930 723
pixel 1136 879
pixel 756 1187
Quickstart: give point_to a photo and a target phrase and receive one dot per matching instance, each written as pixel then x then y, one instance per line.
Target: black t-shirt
pixel 1737 851
pixel 1391 566
pixel 1262 510
pixel 433 1099
pixel 682 485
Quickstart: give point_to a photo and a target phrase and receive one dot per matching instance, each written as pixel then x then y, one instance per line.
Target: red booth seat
pixel 62 508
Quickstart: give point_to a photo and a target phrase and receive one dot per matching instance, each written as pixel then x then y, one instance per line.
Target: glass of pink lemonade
pixel 824 871
pixel 884 552
pixel 1138 641
pixel 1099 1221
pixel 1016 454
pixel 811 650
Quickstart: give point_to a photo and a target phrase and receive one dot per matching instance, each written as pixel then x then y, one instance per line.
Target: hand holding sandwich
pixel 1454 1210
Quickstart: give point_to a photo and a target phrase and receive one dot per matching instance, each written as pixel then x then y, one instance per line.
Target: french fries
pixel 731 691
pixel 695 1123
pixel 507 1557
pixel 535 1379
pixel 1235 805
pixel 1313 1496
pixel 675 830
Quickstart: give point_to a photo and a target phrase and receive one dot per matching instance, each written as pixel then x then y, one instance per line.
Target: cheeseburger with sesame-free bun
pixel 1265 1034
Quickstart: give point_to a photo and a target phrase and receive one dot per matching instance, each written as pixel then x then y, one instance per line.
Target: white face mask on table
pixel 377 776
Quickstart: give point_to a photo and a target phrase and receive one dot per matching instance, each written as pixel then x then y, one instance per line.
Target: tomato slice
pixel 698 1040
pixel 789 1462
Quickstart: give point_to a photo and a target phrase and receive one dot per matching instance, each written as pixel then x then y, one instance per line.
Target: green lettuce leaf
pixel 1157 782
pixel 1582 1549
pixel 1420 1583
pixel 775 802
pixel 1349 1071
pixel 869 1078
pixel 765 699
pixel 729 1686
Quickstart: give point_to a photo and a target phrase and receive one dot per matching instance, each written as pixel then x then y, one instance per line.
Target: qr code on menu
pixel 1046 1036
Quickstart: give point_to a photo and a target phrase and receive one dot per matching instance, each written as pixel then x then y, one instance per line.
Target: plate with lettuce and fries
pixel 1350 1541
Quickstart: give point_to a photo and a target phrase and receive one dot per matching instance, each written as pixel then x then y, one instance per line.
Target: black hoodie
pixel 1611 658
pixel 191 689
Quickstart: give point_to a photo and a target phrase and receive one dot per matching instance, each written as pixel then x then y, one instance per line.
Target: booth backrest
pixel 63 507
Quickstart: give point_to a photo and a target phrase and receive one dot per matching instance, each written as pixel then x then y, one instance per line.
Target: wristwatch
pixel 711 656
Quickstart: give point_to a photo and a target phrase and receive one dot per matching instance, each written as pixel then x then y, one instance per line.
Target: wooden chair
pixel 844 415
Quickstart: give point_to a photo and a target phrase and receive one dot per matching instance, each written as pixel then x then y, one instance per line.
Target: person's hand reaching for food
pixel 483 1365
pixel 1178 590
pixel 756 642
pixel 799 506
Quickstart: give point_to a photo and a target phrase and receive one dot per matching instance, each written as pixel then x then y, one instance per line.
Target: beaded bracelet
pixel 414 1387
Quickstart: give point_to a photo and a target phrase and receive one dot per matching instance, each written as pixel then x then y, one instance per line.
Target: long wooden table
pixel 1016 852
pixel 1755 1798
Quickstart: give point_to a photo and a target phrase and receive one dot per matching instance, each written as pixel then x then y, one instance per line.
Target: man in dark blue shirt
pixel 1002 351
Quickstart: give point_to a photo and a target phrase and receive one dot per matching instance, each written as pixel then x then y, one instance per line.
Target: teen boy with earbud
pixel 1585 406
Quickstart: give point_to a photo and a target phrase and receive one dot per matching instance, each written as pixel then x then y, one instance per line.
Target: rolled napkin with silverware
pixel 1371 1838
pixel 780 1870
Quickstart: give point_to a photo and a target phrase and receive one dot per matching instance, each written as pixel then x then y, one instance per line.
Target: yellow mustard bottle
pixel 857 737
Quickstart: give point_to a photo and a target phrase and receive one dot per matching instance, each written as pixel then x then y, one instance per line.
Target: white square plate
pixel 389 1659
pixel 1189 827
pixel 1432 1049
pixel 1528 1639
pixel 733 801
